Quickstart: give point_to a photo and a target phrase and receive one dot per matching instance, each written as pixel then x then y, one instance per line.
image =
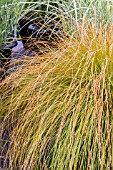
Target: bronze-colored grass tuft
pixel 58 109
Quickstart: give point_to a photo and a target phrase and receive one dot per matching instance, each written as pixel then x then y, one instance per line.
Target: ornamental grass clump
pixel 58 108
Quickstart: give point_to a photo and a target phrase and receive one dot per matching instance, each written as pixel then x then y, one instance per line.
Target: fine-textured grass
pixel 71 10
pixel 58 108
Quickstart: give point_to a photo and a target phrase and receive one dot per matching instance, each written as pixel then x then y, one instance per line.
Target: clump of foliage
pixel 58 108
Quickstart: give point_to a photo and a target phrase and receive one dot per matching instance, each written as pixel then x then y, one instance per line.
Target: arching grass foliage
pixel 58 108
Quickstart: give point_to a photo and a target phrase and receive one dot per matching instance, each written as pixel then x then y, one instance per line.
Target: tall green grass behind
pixel 70 10
pixel 58 108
